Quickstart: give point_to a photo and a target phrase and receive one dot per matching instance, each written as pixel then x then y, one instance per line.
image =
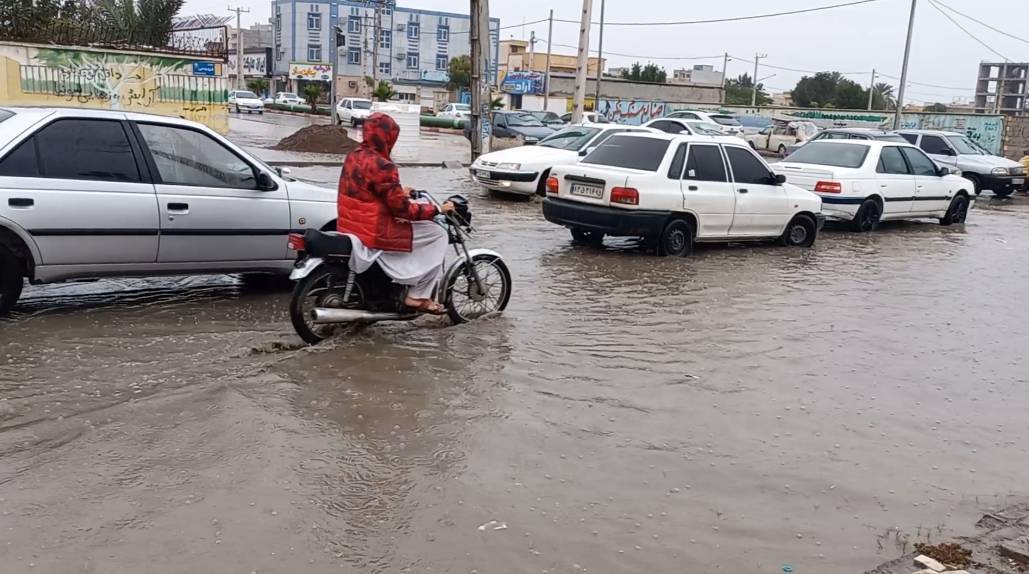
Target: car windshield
pixel 891 138
pixel 963 145
pixel 546 116
pixel 462 108
pixel 291 96
pixel 640 153
pixel 523 120
pixel 362 105
pixel 705 128
pixel 246 95
pixel 830 153
pixel 725 120
pixel 570 138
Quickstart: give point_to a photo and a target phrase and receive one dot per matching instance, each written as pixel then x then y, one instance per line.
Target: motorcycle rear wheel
pixel 324 287
pixel 462 300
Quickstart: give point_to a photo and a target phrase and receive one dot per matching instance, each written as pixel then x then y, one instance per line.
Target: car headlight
pixel 1017 171
pixel 514 166
pixel 1000 171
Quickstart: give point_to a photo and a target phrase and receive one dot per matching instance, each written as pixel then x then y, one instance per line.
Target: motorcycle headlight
pixel 1000 171
pixel 514 166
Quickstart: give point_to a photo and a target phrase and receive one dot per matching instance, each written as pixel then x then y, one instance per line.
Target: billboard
pixel 523 83
pixel 315 72
pixel 256 63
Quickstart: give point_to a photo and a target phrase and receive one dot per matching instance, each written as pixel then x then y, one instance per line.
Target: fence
pixel 103 84
pixel 94 32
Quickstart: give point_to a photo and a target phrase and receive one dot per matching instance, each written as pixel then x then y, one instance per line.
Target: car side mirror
pixel 283 171
pixel 265 182
pixel 778 179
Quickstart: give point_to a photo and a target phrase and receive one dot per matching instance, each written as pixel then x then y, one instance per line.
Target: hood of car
pixel 989 161
pixel 539 132
pixel 301 191
pixel 531 154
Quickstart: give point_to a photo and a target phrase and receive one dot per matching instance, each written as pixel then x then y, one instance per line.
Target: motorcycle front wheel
pixel 463 299
pixel 324 287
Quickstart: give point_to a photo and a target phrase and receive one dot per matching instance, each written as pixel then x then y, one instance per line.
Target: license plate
pixel 483 174
pixel 1018 181
pixel 587 190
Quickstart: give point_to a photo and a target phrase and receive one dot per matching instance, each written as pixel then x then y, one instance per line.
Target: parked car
pixel 288 99
pixel 728 122
pixel 353 111
pixel 455 112
pixel 588 117
pixel 524 170
pixel 673 190
pixel 850 134
pixel 703 128
pixel 751 123
pixel 674 126
pixel 987 171
pixel 549 119
pixel 864 182
pixel 778 137
pixel 508 124
pixel 94 193
pixel 245 101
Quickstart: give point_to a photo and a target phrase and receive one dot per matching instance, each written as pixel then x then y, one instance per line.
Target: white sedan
pixel 864 182
pixel 673 190
pixel 245 101
pixel 288 99
pixel 523 170
pixel 456 112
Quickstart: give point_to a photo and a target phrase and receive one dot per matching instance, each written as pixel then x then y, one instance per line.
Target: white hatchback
pixel 864 182
pixel 523 170
pixel 673 190
pixel 245 101
pixel 353 111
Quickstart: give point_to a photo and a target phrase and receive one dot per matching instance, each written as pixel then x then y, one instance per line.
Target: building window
pixel 412 60
pixel 354 56
pixel 443 33
pixel 314 21
pixel 354 24
pixel 413 28
pixel 279 55
pixel 354 11
pixel 406 97
pixel 278 22
pixel 385 69
pixel 314 53
pixel 385 39
pixel 442 62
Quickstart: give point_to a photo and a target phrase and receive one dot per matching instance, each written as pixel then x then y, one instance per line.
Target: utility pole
pixel 239 45
pixel 904 68
pixel 753 93
pixel 546 76
pixel 532 49
pixel 580 70
pixel 871 90
pixel 375 44
pixel 334 62
pixel 600 59
pixel 480 37
pixel 725 74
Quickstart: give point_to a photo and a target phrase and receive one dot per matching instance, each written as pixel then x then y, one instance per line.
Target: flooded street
pixel 742 409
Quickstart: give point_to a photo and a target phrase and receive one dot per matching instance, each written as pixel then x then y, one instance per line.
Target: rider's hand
pixel 448 207
pixel 411 192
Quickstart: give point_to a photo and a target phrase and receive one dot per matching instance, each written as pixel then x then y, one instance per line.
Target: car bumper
pixel 250 107
pixel 509 181
pixel 820 220
pixel 1003 183
pixel 608 220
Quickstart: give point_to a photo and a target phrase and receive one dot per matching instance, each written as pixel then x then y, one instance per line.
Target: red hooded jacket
pixel 371 203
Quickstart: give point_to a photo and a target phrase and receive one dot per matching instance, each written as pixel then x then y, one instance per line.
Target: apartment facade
pixel 515 56
pixel 410 48
pixel 1002 87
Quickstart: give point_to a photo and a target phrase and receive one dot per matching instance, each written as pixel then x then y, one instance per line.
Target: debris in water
pixel 493 525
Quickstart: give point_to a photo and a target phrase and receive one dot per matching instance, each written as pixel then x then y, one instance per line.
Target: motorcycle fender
pixel 305 267
pixel 471 253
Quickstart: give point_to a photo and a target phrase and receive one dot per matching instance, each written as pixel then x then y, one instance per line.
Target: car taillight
pixel 829 187
pixel 296 242
pixel 552 185
pixel 625 195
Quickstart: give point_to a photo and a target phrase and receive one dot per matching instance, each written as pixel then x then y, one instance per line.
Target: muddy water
pixel 740 410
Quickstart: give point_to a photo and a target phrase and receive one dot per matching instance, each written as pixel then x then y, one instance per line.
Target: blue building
pixel 412 51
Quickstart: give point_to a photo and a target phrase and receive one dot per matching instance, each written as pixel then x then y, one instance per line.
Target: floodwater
pixel 736 411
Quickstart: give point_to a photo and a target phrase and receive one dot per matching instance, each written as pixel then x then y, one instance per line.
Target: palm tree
pixel 312 92
pixel 383 92
pixel 884 93
pixel 496 104
pixel 258 85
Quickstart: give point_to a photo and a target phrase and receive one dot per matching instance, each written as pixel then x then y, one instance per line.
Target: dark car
pixel 851 134
pixel 549 119
pixel 515 124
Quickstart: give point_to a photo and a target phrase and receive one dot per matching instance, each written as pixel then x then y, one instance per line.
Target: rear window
pixel 629 152
pixel 4 114
pixel 725 120
pixel 891 138
pixel 830 153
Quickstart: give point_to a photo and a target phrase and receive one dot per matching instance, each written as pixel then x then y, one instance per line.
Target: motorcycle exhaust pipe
pixel 325 316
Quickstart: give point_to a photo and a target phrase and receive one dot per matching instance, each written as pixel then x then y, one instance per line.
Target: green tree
pixel 383 92
pixel 739 90
pixel 496 104
pixel 312 92
pixel 258 85
pixel 460 73
pixel 937 107
pixel 816 91
pixel 650 73
pixel 850 96
pixel 833 90
pixel 882 97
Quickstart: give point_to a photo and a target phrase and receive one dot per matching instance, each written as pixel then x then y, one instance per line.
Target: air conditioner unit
pixel 351 84
pixel 401 27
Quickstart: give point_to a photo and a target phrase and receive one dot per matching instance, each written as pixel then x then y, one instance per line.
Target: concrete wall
pixel 1016 136
pixel 618 89
pixel 35 75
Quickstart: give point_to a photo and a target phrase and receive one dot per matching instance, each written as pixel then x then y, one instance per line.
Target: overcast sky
pixel 850 40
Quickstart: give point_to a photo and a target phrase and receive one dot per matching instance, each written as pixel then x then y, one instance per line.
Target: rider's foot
pixel 425 306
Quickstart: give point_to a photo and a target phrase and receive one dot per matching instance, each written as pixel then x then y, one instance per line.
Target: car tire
pixel 782 151
pixel 353 122
pixel 752 146
pixel 594 238
pixel 676 239
pixel 1003 194
pixel 237 110
pixel 977 184
pixel 11 280
pixel 541 187
pixel 957 213
pixel 867 217
pixel 800 232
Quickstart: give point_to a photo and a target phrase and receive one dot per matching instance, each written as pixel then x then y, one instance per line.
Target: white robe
pixel 421 269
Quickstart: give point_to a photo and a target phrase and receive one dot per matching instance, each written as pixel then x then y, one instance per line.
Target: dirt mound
pixel 318 139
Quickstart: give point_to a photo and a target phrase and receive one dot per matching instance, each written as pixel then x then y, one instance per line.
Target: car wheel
pixel 1003 194
pixel 541 188
pixel 677 239
pixel 868 216
pixel 752 146
pixel 353 122
pixel 801 232
pixel 237 109
pixel 594 238
pixel 11 280
pixel 782 150
pixel 977 184
pixel 957 213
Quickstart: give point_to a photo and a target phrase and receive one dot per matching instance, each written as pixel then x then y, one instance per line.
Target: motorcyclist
pixel 393 229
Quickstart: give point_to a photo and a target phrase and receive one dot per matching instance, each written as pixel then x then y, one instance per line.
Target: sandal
pixel 430 307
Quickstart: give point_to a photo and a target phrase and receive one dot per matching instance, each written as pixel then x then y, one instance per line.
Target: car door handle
pixel 693 188
pixel 178 207
pixel 21 202
pixel 743 190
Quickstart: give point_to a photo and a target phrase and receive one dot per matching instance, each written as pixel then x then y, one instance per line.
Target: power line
pixel 608 53
pixel 981 23
pixel 733 19
pixel 962 28
pixel 964 89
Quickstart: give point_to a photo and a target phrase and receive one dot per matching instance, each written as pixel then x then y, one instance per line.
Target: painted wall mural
pixel 114 80
pixel 987 131
pixel 632 112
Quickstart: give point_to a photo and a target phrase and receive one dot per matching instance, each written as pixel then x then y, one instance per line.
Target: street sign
pixel 203 69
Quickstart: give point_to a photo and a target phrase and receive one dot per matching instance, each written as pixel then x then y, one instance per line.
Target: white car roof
pixel 867 143
pixel 930 132
pixel 39 113
pixel 685 138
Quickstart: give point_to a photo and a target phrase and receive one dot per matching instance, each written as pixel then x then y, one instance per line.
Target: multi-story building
pixel 515 56
pixel 410 48
pixel 1002 87
pixel 701 74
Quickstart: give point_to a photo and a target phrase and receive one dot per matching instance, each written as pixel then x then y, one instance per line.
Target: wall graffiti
pixel 1016 137
pixel 110 79
pixel 632 112
pixel 987 131
pixel 211 39
pixel 255 63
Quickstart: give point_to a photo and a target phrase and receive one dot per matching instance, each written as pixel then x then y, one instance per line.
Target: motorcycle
pixel 328 294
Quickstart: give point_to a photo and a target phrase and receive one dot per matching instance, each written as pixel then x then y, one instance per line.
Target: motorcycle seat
pixel 321 244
